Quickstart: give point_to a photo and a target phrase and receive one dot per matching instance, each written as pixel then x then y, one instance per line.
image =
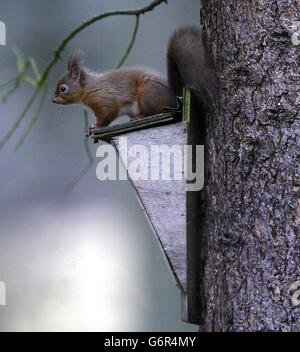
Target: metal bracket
pixel 169 116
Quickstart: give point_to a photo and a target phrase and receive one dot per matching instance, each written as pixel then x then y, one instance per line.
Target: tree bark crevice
pixel 251 245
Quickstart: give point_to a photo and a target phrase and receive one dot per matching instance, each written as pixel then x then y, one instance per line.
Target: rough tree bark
pixel 251 245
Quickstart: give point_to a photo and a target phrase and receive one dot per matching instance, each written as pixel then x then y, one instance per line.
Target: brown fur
pixel 140 92
pixel 189 66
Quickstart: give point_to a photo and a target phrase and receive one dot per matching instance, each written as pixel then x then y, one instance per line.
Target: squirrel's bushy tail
pixel 188 65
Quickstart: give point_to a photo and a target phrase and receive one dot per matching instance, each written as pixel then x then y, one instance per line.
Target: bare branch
pixel 90 164
pixel 131 42
pixel 57 55
pixel 33 120
pixel 3 85
pixel 65 41
pixel 19 120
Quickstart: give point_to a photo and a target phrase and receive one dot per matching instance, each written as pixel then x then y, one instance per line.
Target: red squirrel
pixel 139 92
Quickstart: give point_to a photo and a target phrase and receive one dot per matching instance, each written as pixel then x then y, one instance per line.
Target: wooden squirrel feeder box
pixel 173 212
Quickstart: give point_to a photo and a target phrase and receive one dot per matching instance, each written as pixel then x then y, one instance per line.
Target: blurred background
pixel 85 260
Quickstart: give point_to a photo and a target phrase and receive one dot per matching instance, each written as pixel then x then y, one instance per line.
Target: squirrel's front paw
pixel 90 130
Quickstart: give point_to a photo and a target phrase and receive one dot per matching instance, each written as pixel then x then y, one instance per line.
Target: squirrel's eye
pixel 63 88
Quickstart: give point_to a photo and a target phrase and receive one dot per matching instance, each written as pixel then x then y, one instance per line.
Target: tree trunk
pixel 251 244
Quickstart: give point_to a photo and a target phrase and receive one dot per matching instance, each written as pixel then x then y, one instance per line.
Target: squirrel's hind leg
pixel 154 98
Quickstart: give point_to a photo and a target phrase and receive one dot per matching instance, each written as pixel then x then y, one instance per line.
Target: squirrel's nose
pixel 53 100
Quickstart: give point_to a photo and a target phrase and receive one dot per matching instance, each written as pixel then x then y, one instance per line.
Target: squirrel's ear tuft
pixel 75 63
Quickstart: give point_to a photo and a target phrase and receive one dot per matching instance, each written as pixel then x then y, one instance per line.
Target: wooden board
pixel 164 201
